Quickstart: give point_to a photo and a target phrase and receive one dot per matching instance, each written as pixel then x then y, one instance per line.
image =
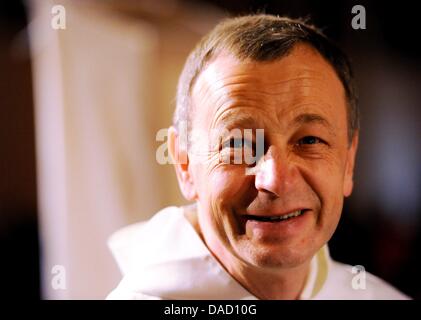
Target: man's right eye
pixel 235 150
pixel 236 143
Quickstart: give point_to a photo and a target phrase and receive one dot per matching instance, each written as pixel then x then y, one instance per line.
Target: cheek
pixel 229 186
pixel 326 178
pixel 225 191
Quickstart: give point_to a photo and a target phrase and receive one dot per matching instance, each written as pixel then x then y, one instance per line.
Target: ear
pixel 350 164
pixel 181 163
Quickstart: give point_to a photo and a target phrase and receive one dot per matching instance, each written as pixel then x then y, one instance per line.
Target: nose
pixel 275 174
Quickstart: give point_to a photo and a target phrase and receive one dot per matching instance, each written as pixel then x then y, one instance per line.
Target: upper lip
pixel 270 213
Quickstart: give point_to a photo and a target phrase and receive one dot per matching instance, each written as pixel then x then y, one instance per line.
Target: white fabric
pixel 103 89
pixel 164 258
pixel 92 92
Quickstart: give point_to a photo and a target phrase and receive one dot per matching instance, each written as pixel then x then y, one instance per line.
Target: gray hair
pixel 262 37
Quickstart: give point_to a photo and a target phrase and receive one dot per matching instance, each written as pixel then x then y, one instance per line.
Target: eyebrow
pixel 309 118
pixel 233 120
pixel 237 120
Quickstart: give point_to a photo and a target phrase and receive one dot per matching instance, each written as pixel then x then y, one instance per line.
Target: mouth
pixel 276 218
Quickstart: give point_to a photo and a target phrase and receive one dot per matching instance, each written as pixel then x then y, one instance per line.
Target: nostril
pixel 269 195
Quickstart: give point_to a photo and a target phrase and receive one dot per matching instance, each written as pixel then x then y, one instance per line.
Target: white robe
pixel 164 258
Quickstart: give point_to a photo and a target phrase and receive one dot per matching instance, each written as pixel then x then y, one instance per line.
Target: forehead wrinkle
pixel 213 78
pixel 216 79
pixel 227 87
pixel 224 109
pixel 234 119
pixel 228 114
pixel 241 73
pixel 302 84
pixel 212 91
pixel 279 89
pixel 241 85
pixel 241 94
pixel 226 101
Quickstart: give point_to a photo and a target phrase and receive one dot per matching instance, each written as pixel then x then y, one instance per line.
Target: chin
pixel 276 256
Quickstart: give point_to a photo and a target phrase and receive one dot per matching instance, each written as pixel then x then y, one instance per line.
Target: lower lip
pixel 278 229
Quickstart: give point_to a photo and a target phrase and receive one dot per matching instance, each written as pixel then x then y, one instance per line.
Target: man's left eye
pixel 310 140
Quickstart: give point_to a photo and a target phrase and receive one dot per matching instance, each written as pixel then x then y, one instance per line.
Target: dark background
pixel 383 236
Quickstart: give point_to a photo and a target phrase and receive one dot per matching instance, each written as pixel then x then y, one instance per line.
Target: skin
pixel 308 164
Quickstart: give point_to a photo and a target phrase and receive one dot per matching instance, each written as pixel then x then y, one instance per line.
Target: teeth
pixel 279 218
pixel 293 214
pixel 290 215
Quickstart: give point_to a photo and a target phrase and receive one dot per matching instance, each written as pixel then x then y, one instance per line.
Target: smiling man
pixel 257 229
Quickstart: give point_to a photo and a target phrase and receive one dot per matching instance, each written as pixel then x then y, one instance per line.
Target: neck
pixel 273 285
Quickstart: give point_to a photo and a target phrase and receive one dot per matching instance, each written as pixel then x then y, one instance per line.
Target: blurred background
pixel 80 108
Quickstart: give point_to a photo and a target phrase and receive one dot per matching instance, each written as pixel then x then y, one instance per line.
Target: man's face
pixel 307 164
